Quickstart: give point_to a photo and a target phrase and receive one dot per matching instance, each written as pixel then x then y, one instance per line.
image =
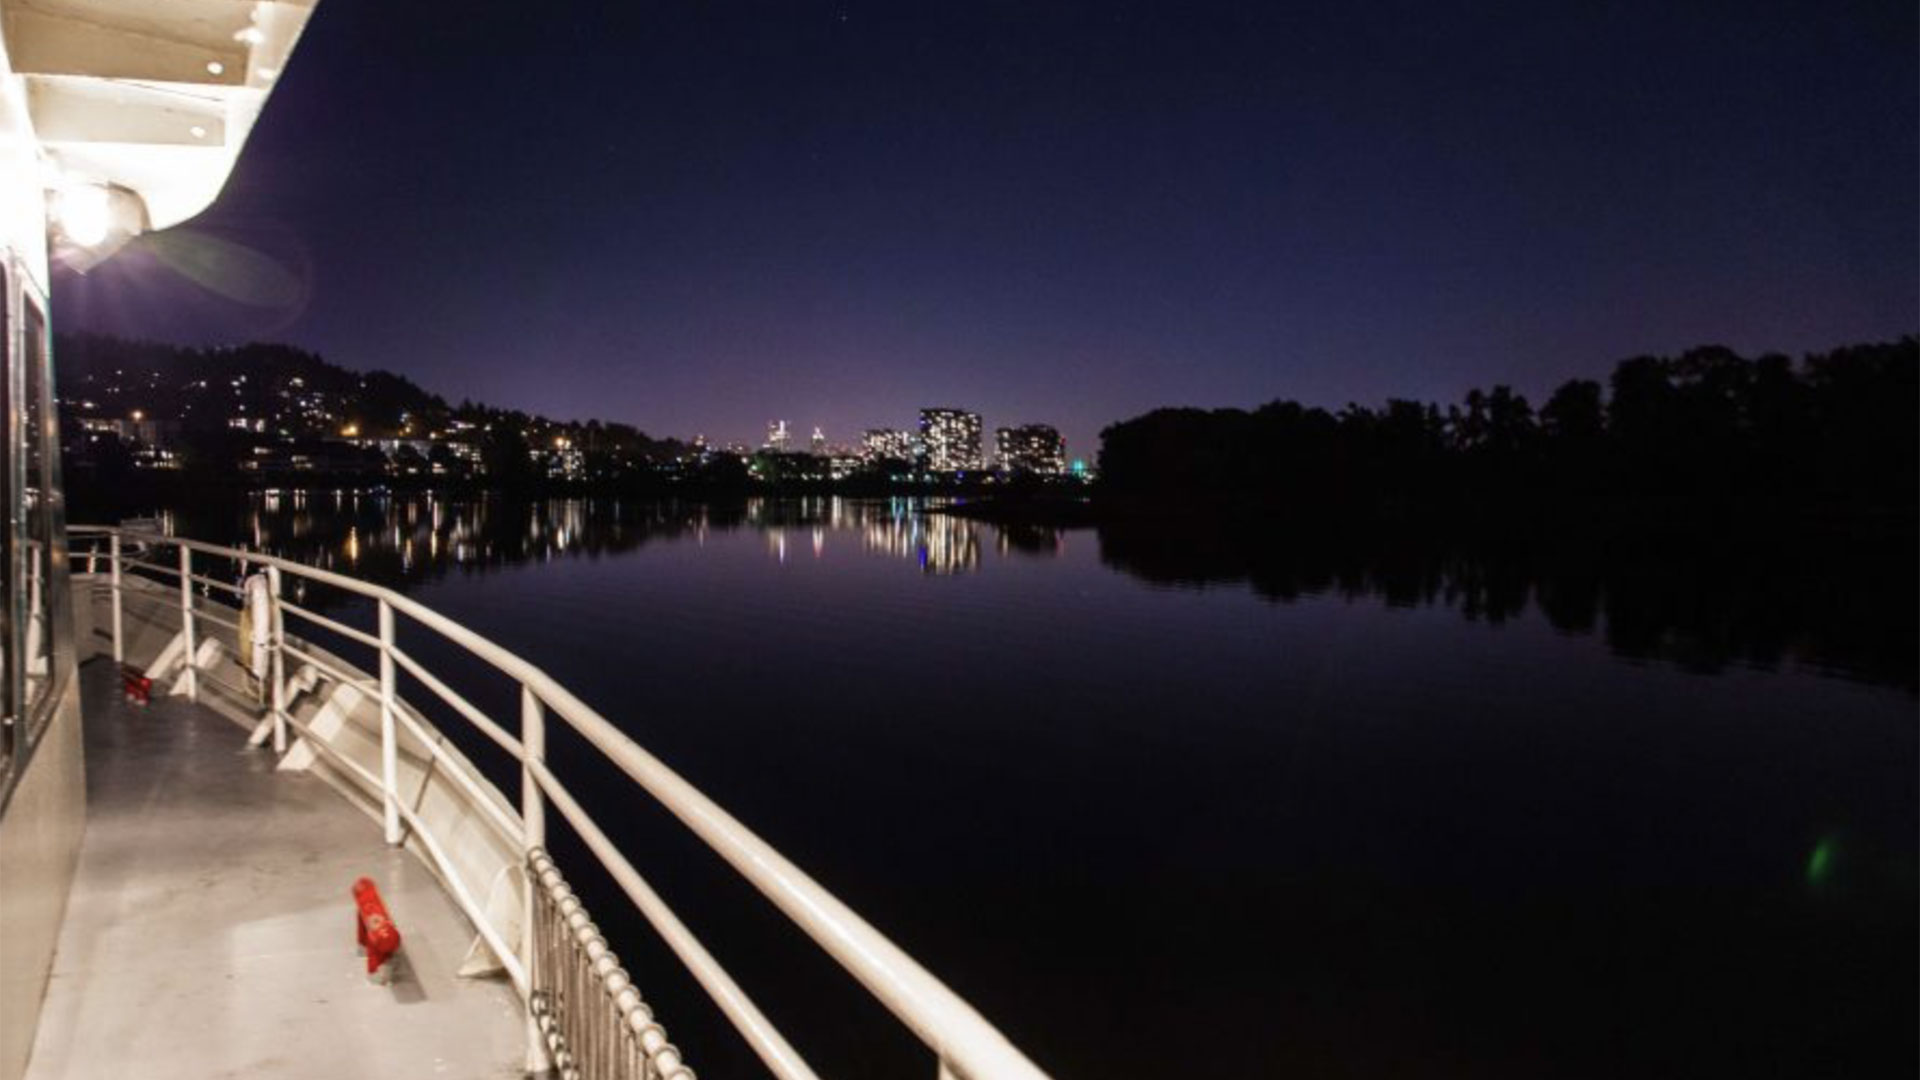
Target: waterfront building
pixel 1031 448
pixel 950 439
pixel 137 430
pixel 888 444
pixel 567 461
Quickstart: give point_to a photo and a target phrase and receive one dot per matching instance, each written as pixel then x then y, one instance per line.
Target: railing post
pixel 113 573
pixel 533 747
pixel 389 752
pixel 277 632
pixel 186 622
pixel 533 820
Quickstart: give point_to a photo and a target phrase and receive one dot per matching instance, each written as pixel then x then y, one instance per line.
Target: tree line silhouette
pixel 1837 428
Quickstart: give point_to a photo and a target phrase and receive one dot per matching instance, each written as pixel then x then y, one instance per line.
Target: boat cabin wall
pixel 42 784
pixel 40 832
pixel 23 173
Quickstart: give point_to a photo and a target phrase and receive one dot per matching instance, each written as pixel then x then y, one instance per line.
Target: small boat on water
pixel 201 778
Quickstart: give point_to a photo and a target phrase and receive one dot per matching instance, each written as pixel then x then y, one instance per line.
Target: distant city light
pixel 950 439
pixel 1031 448
pixel 889 444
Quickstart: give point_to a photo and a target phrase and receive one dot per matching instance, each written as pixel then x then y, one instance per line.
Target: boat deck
pixel 209 931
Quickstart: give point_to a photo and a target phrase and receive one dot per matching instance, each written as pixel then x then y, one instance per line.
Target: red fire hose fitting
pixel 139 688
pixel 373 926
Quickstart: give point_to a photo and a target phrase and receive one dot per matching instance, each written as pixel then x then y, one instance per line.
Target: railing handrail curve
pixel 965 1042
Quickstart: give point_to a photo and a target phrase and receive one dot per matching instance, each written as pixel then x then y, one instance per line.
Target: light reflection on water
pixel 419 534
pixel 1842 609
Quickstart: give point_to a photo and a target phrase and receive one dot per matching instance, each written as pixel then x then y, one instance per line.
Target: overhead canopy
pixel 156 96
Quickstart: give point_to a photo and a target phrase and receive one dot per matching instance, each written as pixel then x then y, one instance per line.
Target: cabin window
pixel 38 509
pixel 36 637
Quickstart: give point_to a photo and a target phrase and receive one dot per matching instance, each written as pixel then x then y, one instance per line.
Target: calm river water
pixel 1228 802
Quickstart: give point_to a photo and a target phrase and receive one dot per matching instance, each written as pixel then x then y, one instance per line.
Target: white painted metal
pixel 947 1024
pixel 533 825
pixel 389 761
pixel 337 627
pixel 463 778
pixel 774 1051
pixel 437 855
pixel 186 622
pixel 279 657
pixel 119 618
pixel 157 98
pixel 963 1042
pixel 453 697
pixel 591 1017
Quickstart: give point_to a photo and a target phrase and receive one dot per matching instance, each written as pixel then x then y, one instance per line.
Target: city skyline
pixel 1707 416
pixel 1085 213
pixel 275 412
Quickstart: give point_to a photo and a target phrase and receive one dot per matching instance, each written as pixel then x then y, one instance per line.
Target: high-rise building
pixel 777 438
pixel 1031 448
pixel 950 439
pixel 888 444
pixel 818 444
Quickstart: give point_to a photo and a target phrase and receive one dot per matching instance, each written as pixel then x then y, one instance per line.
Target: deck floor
pixel 209 932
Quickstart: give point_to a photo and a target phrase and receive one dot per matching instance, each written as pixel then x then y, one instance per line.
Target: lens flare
pixel 84 214
pixel 228 269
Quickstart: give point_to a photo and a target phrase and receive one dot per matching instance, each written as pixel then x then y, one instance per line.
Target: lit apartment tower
pixel 1031 448
pixel 818 444
pixel 777 435
pixel 887 444
pixel 950 439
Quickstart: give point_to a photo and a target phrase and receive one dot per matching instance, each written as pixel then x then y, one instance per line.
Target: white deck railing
pixel 963 1042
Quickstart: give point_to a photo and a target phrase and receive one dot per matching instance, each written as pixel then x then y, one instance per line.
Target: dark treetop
pixel 1836 429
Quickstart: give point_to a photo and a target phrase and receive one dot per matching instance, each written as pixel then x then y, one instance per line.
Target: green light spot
pixel 1820 863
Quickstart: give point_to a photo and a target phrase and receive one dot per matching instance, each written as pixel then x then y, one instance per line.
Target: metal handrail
pixel 585 1004
pixel 965 1044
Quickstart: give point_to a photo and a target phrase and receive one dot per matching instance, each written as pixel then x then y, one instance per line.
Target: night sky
pixel 699 216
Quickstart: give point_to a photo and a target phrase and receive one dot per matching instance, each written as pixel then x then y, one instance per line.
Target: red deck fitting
pixel 138 688
pixel 373 926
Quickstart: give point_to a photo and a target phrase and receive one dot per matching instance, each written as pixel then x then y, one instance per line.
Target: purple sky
pixel 697 217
